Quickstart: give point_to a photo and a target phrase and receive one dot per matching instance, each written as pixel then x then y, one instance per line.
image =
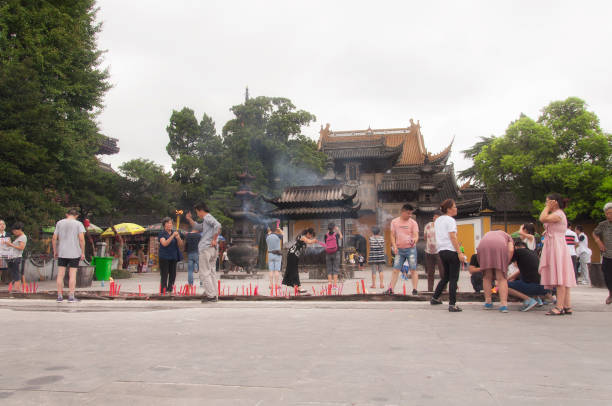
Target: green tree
pixel 265 137
pixel 195 148
pixel 51 88
pixel 564 151
pixel 471 174
pixel 147 188
pixel 266 134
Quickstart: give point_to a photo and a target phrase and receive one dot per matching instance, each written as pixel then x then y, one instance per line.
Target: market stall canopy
pixel 92 229
pixel 124 229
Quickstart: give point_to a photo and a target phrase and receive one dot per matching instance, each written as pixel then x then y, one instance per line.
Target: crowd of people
pixel 536 270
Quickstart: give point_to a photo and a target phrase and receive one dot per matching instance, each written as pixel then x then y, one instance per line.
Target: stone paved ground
pixel 298 353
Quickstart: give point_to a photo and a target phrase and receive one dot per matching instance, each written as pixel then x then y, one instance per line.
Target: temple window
pixel 348 227
pixel 352 171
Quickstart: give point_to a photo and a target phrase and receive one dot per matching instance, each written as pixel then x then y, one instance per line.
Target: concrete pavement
pixel 292 353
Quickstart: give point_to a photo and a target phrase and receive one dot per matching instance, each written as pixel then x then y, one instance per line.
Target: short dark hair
pixel 407 207
pixel 72 212
pixel 445 205
pixel 165 220
pixel 201 206
pixel 375 230
pixel 331 226
pixel 437 212
pixel 530 228
pixel 579 227
pixel 17 226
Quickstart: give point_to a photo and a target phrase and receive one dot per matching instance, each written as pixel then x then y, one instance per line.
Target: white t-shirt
pixel 18 253
pixel 443 226
pixel 583 246
pixel 568 237
pixel 5 250
pixel 530 244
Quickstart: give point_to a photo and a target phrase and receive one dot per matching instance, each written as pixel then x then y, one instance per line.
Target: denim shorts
pixel 404 254
pixel 274 262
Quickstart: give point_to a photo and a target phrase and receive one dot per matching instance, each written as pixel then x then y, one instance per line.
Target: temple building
pixel 108 146
pixel 370 175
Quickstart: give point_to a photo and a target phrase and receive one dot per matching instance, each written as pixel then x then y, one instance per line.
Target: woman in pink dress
pixel 556 267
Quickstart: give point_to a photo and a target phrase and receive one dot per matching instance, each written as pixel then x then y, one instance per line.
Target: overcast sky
pixel 463 68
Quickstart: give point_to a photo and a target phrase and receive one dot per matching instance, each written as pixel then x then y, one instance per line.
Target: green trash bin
pixel 103 267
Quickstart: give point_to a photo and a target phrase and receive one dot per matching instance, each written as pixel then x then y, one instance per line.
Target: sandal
pixel 555 311
pixel 567 310
pixel 372 286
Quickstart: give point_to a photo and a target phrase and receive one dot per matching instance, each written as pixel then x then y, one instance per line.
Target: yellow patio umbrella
pixel 124 229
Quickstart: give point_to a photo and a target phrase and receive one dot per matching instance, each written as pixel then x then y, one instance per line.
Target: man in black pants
pixel 603 237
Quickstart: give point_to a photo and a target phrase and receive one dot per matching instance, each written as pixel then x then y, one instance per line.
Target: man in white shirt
pixel 571 239
pixel 584 255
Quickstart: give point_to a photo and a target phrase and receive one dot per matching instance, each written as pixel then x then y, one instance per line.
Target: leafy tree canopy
pixel 50 89
pixel 147 189
pixel 564 151
pixel 265 137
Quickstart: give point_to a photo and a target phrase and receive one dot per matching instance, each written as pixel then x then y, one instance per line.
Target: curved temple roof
pixel 381 143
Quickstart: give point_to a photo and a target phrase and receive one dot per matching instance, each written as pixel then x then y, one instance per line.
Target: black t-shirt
pixel 528 263
pixel 474 261
pixel 192 241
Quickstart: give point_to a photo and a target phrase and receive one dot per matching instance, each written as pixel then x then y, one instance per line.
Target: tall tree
pixel 564 151
pixel 195 148
pixel 471 174
pixel 147 188
pixel 51 88
pixel 266 133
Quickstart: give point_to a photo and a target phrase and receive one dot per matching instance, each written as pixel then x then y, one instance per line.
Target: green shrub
pixel 120 274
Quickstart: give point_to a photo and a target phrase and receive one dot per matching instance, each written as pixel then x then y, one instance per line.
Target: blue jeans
pixel 404 254
pixel 529 289
pixel 192 264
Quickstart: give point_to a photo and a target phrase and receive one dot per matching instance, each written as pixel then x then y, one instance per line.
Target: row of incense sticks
pixel 114 289
pixel 328 290
pixel 363 290
pixel 185 290
pixel 246 290
pixel 31 287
